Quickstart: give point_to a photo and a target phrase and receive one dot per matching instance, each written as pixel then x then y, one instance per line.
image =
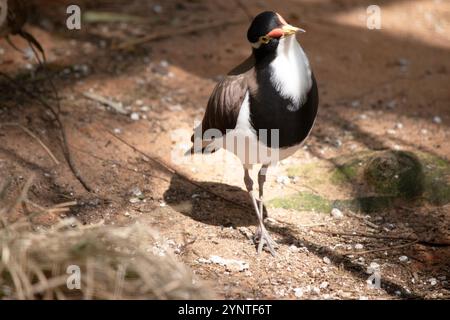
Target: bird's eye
pixel 264 39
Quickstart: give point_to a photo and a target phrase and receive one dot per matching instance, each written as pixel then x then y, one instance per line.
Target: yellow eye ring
pixel 264 39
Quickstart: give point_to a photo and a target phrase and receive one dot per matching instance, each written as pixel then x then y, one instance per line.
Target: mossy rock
pixel 372 181
pixel 395 173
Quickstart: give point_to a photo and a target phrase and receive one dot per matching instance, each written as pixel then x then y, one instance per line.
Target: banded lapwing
pixel 264 109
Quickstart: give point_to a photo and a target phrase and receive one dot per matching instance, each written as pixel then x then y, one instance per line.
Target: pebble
pixel 164 63
pixel 399 125
pixel 298 292
pixel 403 258
pixel 323 285
pixel 359 246
pixel 294 248
pixel 355 104
pixel 134 200
pixel 230 264
pixel 391 104
pixel 336 213
pixel 117 130
pixel 283 180
pixel 134 116
pixel 326 260
pixel 432 281
pixel 315 291
pixel 391 131
pixel 374 266
pixel 437 120
pixel 157 9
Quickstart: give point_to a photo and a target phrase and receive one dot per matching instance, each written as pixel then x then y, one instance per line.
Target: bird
pixel 263 110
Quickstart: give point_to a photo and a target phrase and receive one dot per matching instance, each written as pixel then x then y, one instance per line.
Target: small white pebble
pixel 283 180
pixel 403 258
pixel 316 291
pixel 359 246
pixel 134 116
pixel 326 260
pixel 336 213
pixel 323 285
pixel 437 120
pixel 298 292
pixel 432 281
pixel 157 8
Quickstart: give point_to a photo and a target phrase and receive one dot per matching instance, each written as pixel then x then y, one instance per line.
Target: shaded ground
pixel 380 90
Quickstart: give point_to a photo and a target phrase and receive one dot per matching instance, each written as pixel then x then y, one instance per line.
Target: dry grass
pixel 115 262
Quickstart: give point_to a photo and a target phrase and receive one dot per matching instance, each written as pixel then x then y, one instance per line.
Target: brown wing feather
pixel 226 99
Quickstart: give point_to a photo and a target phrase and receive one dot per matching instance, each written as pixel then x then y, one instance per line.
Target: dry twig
pixel 35 137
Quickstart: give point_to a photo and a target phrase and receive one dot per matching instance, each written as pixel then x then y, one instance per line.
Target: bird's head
pixel 267 30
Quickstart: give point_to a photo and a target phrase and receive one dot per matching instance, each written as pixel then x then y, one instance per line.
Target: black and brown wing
pixel 223 106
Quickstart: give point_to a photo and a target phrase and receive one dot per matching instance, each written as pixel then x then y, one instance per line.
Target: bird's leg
pixel 261 180
pixel 262 232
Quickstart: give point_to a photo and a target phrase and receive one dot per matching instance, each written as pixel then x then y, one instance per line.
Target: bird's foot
pixel 262 237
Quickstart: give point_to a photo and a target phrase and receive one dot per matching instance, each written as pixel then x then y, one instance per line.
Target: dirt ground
pixel 379 89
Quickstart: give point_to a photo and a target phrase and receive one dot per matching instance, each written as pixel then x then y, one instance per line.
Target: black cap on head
pixel 262 25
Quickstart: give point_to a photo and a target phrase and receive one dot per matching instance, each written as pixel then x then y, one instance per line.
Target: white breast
pixel 291 73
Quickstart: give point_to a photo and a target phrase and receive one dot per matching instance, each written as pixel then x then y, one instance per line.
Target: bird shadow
pixel 218 210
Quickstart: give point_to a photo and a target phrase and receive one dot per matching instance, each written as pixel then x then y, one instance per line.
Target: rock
pixel 403 258
pixel 134 200
pixel 323 285
pixel 117 130
pixel 338 143
pixel 391 104
pixel 362 116
pixel 359 246
pixel 294 249
pixel 298 292
pixel 336 213
pixel 355 104
pixel 175 108
pixel 136 192
pixel 403 62
pixel 134 116
pixel 164 63
pixel 315 291
pixel 157 9
pixel 391 131
pixel 374 266
pixel 230 265
pixel 399 125
pixel 437 120
pixel 432 281
pixel 283 180
pixel 326 260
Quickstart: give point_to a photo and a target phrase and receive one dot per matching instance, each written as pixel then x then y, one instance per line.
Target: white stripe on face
pixel 256 45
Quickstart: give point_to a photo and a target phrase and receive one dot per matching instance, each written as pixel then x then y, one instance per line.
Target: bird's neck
pixel 287 70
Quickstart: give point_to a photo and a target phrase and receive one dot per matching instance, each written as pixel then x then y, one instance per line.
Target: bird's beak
pixel 290 30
